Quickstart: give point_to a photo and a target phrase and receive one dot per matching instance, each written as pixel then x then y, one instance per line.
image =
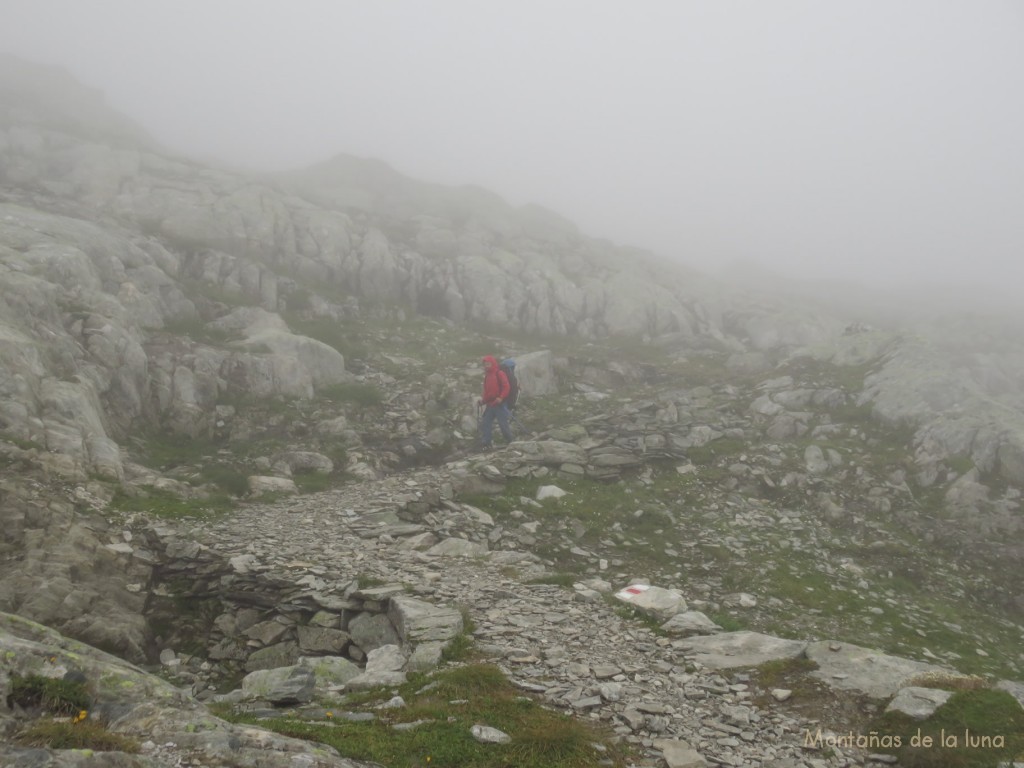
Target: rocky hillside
pixel 178 342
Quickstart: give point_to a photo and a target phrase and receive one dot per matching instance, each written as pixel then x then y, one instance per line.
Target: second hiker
pixel 496 390
pixel 508 367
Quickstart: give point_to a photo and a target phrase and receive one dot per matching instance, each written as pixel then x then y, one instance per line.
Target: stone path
pixel 579 655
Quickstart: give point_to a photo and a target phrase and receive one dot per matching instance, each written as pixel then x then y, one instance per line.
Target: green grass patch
pixel 554 742
pixel 228 478
pixel 24 443
pixel 974 729
pixel 53 695
pixel 345 338
pixel 461 648
pixel 625 520
pixel 451 702
pixel 209 461
pixel 907 605
pixel 806 587
pixel 166 450
pixel 365 581
pixel 728 622
pixel 782 673
pixel 160 503
pixel 943 613
pixel 85 735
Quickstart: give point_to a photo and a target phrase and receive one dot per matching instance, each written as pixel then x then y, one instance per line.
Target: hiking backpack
pixel 508 366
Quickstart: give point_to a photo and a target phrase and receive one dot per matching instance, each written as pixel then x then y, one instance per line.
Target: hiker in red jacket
pixel 496 389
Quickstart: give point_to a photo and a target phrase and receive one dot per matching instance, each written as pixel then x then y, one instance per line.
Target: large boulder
pixel 740 649
pixel 384 666
pixel 418 621
pixel 56 569
pixel 283 685
pixel 535 372
pixel 657 602
pixel 141 706
pixel 854 668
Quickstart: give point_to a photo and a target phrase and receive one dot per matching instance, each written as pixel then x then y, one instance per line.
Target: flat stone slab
pixel 379 594
pixel 740 649
pixel 426 656
pixel 679 754
pixel 918 703
pixel 853 668
pixel 658 602
pixel 457 548
pixel 418 621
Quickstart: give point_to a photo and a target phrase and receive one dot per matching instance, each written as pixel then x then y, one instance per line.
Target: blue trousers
pixel 492 412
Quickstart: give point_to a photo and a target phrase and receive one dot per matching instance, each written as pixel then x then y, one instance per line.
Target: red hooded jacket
pixel 495 382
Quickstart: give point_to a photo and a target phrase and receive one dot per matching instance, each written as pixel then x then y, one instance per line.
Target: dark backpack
pixel 513 385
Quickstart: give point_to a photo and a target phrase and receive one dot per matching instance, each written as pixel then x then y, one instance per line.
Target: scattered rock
pixel 487 735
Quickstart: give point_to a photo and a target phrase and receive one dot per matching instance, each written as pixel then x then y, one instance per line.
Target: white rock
pixel 654 601
pixel 487 735
pixel 550 492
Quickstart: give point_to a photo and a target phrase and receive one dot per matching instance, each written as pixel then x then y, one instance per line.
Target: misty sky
pixel 874 139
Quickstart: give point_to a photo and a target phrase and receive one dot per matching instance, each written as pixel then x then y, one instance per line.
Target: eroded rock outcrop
pixel 168 723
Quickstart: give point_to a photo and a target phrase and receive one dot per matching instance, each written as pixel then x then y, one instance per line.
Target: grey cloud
pixel 848 139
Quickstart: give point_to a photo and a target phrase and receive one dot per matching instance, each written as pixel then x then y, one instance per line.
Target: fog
pixel 877 141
